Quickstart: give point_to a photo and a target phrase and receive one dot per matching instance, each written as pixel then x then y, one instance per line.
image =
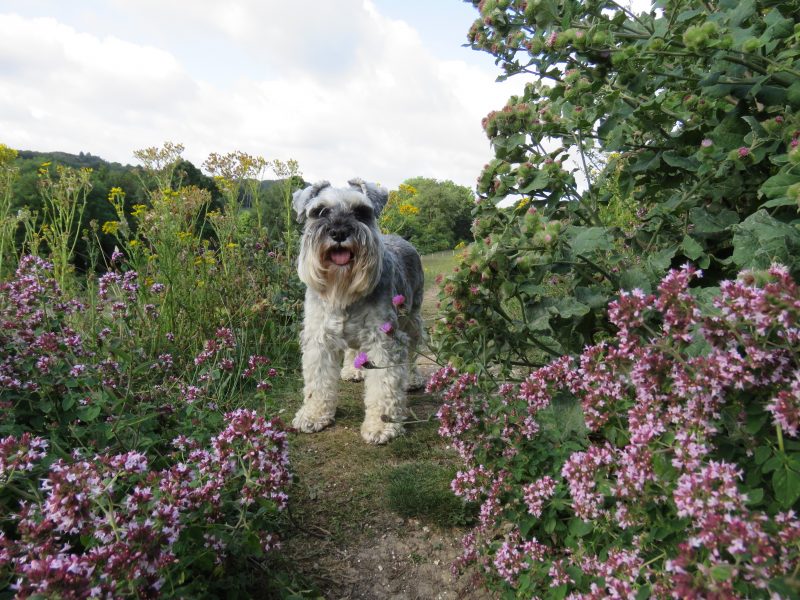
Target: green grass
pixel 433 265
pixel 439 262
pixel 422 490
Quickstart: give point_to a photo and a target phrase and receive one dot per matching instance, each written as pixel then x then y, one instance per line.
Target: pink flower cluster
pixel 537 493
pixel 109 525
pixel 20 454
pixel 674 407
pixel 37 343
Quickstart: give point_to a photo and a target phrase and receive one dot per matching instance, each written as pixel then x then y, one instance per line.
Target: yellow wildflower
pixel 407 209
pixel 111 227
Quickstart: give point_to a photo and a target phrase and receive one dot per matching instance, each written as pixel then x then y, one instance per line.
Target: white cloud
pixel 337 86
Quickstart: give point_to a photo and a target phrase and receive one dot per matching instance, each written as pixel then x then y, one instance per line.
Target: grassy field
pixel 353 504
pixel 433 265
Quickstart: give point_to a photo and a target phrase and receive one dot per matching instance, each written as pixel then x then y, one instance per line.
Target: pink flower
pixel 387 328
pixel 398 300
pixel 743 151
pixel 785 408
pixel 361 360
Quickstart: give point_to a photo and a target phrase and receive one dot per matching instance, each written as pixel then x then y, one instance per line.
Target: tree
pixel 434 215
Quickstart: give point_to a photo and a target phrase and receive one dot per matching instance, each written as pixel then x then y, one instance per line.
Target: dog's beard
pixel 340 273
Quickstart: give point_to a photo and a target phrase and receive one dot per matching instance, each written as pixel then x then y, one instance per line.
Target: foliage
pixel 701 104
pixel 102 492
pixel 64 192
pixel 232 278
pixel 433 215
pixel 686 478
pixel 8 221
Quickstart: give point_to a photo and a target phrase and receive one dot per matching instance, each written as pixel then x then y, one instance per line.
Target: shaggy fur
pixel 352 271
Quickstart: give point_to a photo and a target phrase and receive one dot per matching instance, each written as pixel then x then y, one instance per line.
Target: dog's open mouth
pixel 341 256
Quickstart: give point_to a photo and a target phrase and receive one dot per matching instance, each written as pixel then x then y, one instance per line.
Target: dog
pixel 362 308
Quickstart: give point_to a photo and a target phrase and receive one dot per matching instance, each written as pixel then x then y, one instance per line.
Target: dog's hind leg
pixel 384 389
pixel 322 361
pixel 416 334
pixel 349 372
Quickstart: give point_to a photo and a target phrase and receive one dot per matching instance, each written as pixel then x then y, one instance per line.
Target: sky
pixel 379 89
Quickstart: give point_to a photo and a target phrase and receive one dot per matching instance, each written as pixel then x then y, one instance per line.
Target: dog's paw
pixel 380 432
pixel 416 381
pixel 350 374
pixel 308 422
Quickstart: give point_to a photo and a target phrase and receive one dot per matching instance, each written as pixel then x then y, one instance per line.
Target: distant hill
pixel 78 161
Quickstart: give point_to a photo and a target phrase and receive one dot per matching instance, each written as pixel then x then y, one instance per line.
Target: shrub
pixel 236 278
pixel 137 506
pixel 696 106
pixel 686 478
pixel 110 526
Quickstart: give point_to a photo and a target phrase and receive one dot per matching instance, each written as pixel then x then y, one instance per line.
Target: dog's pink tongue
pixel 341 256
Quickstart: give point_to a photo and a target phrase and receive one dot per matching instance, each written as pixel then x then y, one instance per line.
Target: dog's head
pixel 341 250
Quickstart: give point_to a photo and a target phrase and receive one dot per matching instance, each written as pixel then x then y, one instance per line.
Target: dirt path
pixel 346 536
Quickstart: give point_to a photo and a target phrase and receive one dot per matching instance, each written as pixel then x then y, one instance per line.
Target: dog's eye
pixel 363 213
pixel 319 211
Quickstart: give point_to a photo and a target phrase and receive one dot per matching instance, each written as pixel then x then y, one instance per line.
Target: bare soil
pixel 345 538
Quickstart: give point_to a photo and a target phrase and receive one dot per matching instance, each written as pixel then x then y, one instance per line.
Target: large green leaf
pixel 786 483
pixel 775 186
pixel 706 222
pixel 761 240
pixel 587 240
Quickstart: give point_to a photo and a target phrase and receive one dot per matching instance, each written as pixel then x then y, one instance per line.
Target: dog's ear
pixel 301 198
pixel 378 195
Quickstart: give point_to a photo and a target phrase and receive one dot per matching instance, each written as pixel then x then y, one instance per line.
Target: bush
pixel 101 490
pixel 696 109
pixel 684 482
pixel 108 525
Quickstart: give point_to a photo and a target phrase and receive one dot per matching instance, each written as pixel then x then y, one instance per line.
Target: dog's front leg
pixel 322 361
pixel 385 389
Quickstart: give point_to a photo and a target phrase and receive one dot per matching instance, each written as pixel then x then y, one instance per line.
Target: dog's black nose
pixel 339 233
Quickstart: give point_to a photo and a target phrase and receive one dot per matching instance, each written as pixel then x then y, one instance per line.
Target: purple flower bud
pixel 361 360
pixel 398 300
pixel 387 328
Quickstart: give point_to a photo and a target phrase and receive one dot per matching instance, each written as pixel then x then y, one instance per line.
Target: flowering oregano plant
pixel 137 508
pixel 110 525
pixel 683 479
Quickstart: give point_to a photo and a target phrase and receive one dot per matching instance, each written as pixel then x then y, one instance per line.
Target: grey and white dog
pixel 355 277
